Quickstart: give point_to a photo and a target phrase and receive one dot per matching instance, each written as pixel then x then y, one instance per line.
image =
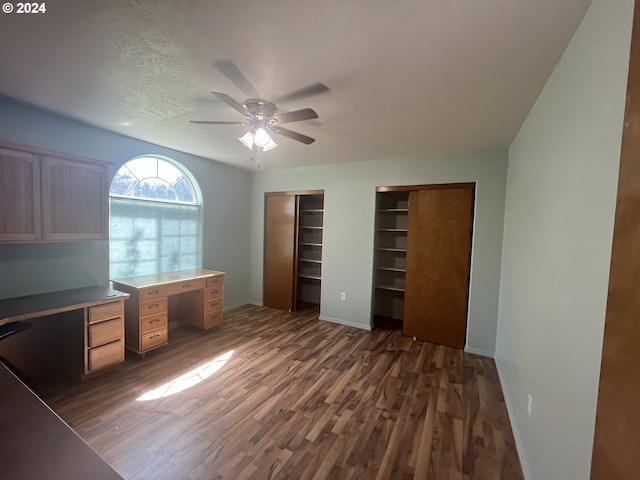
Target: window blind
pixel 149 237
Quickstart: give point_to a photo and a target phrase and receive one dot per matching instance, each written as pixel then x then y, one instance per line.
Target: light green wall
pixel 349 218
pixel 34 268
pixel 561 193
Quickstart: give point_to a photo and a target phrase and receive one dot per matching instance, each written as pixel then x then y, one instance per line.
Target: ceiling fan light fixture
pixel 248 139
pixel 270 145
pixel 261 138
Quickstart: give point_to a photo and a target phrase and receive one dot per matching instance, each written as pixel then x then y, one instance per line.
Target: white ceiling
pixel 407 78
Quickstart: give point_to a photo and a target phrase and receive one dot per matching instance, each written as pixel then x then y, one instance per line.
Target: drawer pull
pixel 153 292
pixel 155 305
pixel 155 320
pixel 186 285
pixel 154 336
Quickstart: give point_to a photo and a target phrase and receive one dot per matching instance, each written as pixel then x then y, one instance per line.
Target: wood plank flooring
pixel 287 396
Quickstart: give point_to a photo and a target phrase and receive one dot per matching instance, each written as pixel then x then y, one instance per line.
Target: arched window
pixel 155 219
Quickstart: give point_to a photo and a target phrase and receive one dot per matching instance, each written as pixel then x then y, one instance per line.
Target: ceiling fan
pixel 261 116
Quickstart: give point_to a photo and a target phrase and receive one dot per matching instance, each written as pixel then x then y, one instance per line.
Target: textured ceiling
pixel 407 78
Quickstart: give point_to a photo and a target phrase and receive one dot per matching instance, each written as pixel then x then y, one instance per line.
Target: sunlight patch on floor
pixel 187 380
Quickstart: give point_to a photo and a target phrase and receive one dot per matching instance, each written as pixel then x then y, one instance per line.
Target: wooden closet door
pixel 438 257
pixel 279 251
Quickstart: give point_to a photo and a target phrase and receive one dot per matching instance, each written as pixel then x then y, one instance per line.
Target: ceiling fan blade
pixel 232 103
pixel 314 89
pixel 285 132
pixel 296 116
pixel 235 76
pixel 208 122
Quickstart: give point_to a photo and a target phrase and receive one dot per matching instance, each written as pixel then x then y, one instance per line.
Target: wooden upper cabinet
pixel 19 196
pixel 75 196
pixel 46 197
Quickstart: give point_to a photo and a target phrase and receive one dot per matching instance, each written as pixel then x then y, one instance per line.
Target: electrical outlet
pixel 343 296
pixel 530 405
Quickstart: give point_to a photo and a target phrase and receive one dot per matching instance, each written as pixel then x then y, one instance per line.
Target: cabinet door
pixel 279 251
pixel 438 261
pixel 19 196
pixel 75 200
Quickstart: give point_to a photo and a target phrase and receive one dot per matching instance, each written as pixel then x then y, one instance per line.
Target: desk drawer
pixel 153 307
pixel 106 355
pixel 186 286
pixel 211 319
pixel 150 324
pixel 213 293
pixel 153 292
pixel 105 332
pixel 153 339
pixel 214 282
pixel 212 306
pixel 106 311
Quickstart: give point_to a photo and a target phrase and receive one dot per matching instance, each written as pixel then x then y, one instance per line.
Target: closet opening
pixel 423 240
pixel 293 239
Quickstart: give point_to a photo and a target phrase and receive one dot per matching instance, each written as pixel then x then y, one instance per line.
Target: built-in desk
pixel 103 311
pixel 192 296
pixel 36 443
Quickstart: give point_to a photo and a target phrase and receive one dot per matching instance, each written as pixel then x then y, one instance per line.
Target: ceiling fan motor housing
pixel 261 110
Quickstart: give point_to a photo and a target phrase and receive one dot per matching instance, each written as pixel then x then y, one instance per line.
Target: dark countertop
pixel 30 306
pixel 36 443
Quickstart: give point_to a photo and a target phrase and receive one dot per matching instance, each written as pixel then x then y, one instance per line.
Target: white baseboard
pixel 514 427
pixel 477 351
pixel 240 304
pixel 345 322
pixel 235 305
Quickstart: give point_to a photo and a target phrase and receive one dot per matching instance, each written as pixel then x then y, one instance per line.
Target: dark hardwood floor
pixel 278 395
